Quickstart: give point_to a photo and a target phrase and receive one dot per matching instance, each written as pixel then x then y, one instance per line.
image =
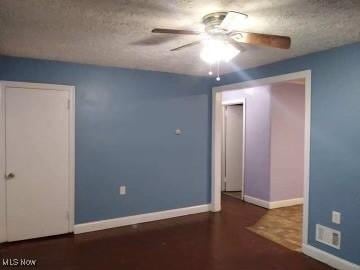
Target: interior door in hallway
pixel 233 147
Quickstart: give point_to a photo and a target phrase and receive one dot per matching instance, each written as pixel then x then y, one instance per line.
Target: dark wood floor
pixel 204 241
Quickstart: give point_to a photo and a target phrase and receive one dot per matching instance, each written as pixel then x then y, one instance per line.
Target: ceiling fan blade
pixel 237 45
pixel 175 31
pixel 281 42
pixel 233 20
pixel 187 45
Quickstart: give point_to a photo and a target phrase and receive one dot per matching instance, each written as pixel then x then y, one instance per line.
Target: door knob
pixel 9 176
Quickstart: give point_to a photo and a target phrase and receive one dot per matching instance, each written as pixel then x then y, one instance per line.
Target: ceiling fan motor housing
pixel 212 23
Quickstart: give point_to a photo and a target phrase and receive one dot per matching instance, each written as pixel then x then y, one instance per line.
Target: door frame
pixel 55 87
pixel 216 144
pixel 240 101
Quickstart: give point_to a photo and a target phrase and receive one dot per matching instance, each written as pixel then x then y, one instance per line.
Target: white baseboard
pixel 285 203
pixel 275 204
pixel 256 201
pixel 130 220
pixel 329 259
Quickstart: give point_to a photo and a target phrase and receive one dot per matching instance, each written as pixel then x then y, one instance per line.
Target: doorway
pixel 233 148
pixel 217 122
pixel 37 187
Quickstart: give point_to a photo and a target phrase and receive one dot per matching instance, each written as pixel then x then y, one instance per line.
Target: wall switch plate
pixel 178 131
pixel 336 217
pixel 122 190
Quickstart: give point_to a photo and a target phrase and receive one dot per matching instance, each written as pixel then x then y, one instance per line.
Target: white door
pixel 233 147
pixel 37 162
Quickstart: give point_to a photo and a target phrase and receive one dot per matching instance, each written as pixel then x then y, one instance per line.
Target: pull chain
pixel 218 71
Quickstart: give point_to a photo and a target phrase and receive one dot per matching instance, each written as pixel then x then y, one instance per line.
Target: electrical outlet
pixel 336 217
pixel 122 190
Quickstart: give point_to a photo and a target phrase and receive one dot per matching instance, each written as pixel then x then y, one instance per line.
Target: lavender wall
pixel 257 141
pixel 287 141
pixel 274 143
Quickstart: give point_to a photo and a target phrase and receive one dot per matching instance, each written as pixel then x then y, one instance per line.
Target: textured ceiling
pixel 117 33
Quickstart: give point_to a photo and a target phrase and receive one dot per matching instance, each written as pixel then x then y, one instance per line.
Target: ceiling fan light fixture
pixel 217 50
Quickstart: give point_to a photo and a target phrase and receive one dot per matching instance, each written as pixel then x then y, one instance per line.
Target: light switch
pixel 178 131
pixel 336 217
pixel 122 190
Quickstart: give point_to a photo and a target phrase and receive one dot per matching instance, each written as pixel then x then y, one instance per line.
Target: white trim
pixel 44 86
pixel 273 205
pixel 72 159
pixel 329 259
pixel 306 206
pixel 3 232
pixel 71 91
pixel 216 144
pixel 216 136
pixel 234 101
pixel 223 147
pixel 130 220
pixel 285 203
pixel 257 201
pixel 240 101
pixel 263 81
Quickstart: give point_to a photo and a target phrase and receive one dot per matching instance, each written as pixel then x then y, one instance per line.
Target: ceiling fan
pixel 221 38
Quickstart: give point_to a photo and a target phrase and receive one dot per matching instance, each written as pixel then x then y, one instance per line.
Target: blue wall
pixel 125 135
pixel 335 139
pixel 125 126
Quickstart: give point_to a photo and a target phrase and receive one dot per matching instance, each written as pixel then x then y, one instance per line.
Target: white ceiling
pixel 117 33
